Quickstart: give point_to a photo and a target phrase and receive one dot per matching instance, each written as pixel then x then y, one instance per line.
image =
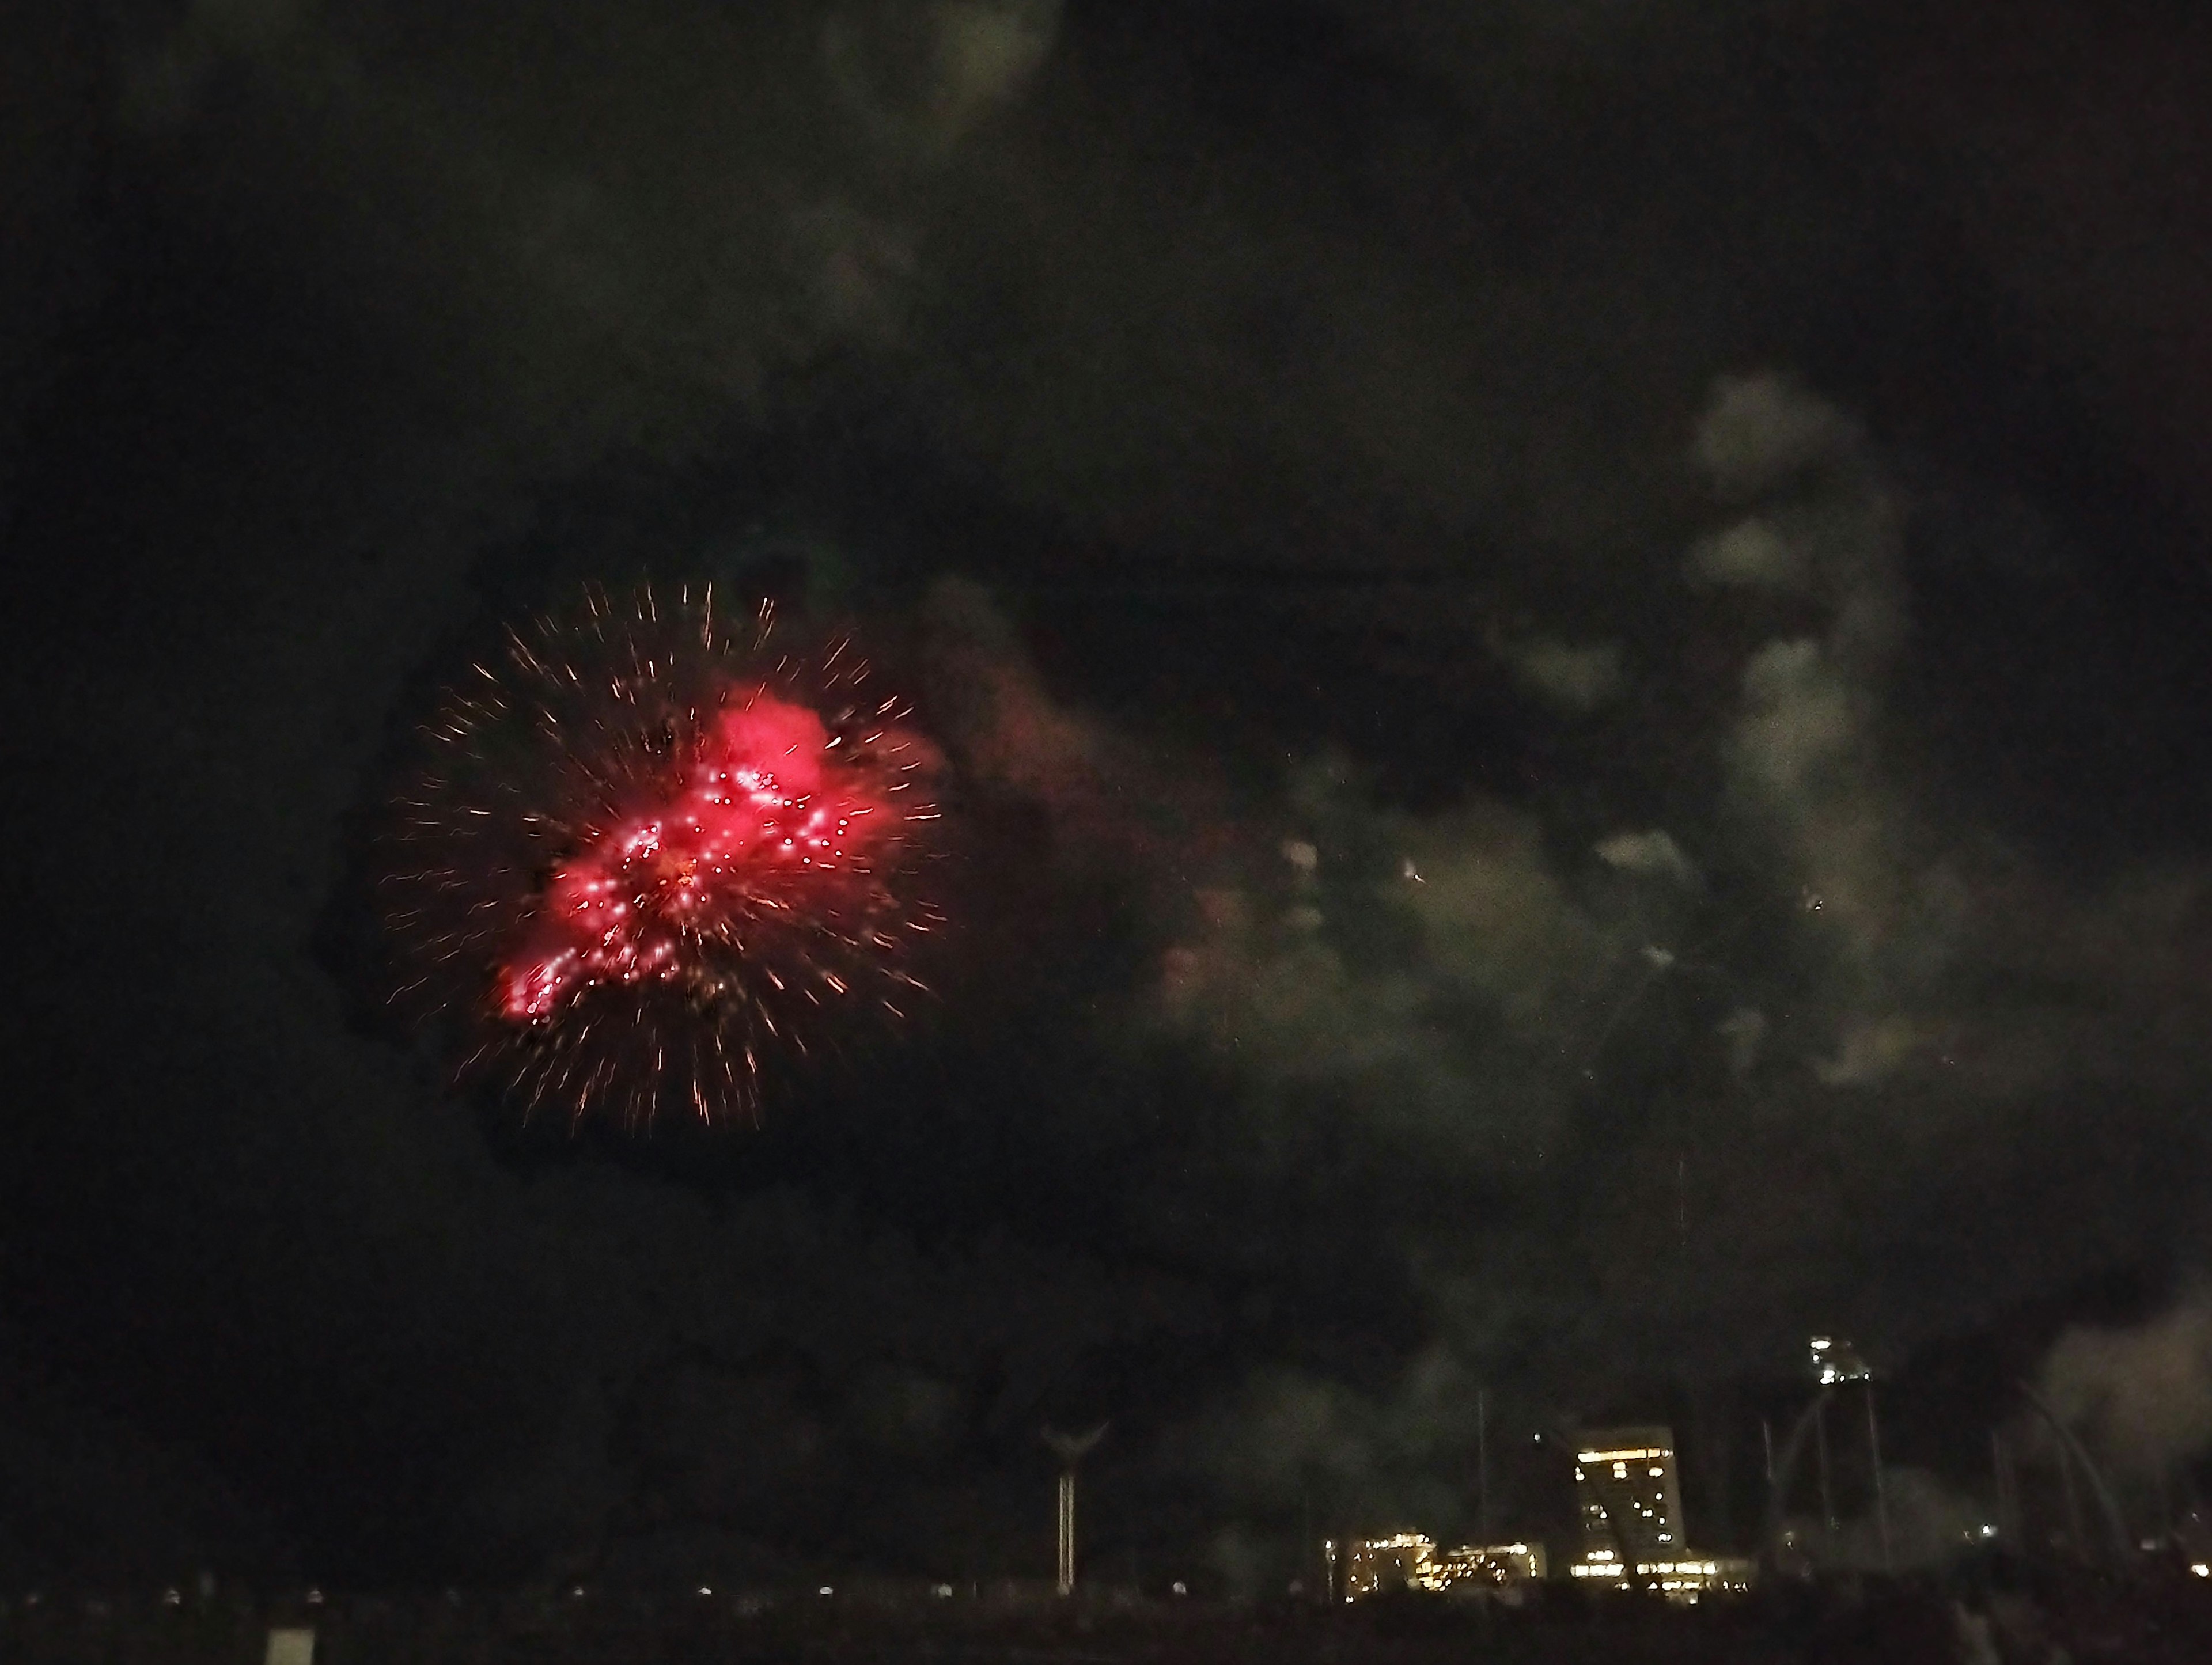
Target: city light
pixel 1411 1560
pixel 1683 1581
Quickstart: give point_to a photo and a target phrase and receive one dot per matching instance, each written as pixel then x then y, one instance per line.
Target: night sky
pixel 1568 637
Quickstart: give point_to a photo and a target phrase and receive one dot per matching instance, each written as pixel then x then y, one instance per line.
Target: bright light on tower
pixel 1836 1361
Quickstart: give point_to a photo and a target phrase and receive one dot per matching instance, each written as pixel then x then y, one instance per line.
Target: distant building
pixel 1633 1535
pixel 1474 1565
pixel 1411 1560
pixel 1631 1502
pixel 1683 1580
pixel 1373 1566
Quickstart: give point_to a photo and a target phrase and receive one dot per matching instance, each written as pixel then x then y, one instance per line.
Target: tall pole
pixel 1880 1490
pixel 1482 1463
pixel 1827 1494
pixel 1067 1531
pixel 2073 1501
pixel 1766 1441
pixel 2012 1517
pixel 1305 1532
pixel 1072 1449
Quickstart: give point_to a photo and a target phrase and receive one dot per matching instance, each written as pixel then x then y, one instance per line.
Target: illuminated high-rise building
pixel 1631 1502
pixel 1632 1530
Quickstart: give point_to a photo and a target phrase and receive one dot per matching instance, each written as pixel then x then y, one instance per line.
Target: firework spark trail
pixel 650 854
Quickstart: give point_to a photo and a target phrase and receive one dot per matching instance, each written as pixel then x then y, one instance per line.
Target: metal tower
pixel 1071 1449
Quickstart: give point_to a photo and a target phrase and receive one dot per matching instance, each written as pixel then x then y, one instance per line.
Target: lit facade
pixel 1680 1580
pixel 1410 1560
pixel 1474 1565
pixel 1373 1565
pixel 1630 1499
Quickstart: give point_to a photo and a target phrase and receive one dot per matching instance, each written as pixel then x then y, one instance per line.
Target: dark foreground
pixel 2159 1620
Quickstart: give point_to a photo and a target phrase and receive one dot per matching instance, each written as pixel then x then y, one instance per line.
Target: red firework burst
pixel 647 853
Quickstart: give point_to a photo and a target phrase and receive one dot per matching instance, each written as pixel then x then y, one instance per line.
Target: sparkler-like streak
pixel 649 853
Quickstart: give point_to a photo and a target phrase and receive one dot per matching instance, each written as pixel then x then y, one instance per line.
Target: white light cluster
pixel 1835 1361
pixel 1681 1581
